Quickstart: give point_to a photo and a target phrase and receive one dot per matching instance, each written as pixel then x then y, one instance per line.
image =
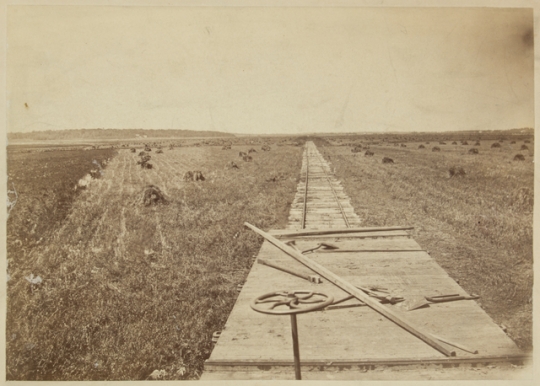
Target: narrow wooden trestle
pixel 352 342
pixel 320 201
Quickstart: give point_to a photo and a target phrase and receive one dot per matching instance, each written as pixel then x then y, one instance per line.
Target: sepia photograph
pixel 263 192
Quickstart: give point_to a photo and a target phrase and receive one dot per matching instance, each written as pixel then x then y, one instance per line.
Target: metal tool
pixel 294 302
pixel 442 299
pixel 316 279
pixel 324 246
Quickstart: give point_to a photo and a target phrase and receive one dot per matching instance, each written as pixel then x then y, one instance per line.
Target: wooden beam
pixel 351 289
pixel 304 209
pixel 317 232
pixel 366 250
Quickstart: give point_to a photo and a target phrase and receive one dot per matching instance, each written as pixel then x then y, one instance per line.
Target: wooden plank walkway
pixel 357 343
pixel 327 202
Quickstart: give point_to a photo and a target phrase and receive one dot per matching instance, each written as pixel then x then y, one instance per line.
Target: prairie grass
pixel 478 226
pixel 129 289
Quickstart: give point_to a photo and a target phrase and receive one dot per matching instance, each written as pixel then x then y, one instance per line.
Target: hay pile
pixel 456 171
pixel 403 145
pixel 194 176
pixel 226 148
pixel 265 148
pixel 436 148
pixel 159 151
pixel 519 157
pixel 133 150
pixel 247 158
pixel 387 160
pixel 421 147
pixel 152 195
pixel 496 144
pixel 477 143
pixel 144 162
pixel 232 165
pixel 242 154
pixel 368 153
pixel 357 149
pixel 252 151
pixel 473 151
pixel 524 147
pixel 276 177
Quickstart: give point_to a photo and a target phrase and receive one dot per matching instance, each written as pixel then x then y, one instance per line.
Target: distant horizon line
pixel 277 134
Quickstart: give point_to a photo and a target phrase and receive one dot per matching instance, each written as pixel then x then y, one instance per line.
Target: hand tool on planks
pixel 351 289
pixel 311 278
pixel 325 246
pixel 322 246
pixel 441 299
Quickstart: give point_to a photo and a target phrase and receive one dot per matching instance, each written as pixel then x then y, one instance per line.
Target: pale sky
pixel 269 70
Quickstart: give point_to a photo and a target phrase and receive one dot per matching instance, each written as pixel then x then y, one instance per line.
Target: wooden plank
pixel 336 231
pixel 401 235
pixel 351 289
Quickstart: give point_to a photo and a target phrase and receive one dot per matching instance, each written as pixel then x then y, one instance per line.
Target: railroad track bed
pixel 320 201
pixel 354 340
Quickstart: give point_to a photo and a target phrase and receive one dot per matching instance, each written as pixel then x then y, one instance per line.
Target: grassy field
pixel 128 289
pixel 477 226
pixel 41 185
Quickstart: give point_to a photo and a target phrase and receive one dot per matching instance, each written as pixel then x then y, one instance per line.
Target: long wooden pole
pixel 293 233
pixel 351 289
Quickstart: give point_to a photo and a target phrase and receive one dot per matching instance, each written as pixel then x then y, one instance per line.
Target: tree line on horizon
pixel 111 134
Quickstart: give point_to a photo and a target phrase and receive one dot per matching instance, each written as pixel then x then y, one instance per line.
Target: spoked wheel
pixel 292 303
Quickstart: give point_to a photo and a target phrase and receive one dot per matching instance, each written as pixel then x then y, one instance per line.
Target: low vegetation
pixel 131 275
pixel 478 227
pixel 144 268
